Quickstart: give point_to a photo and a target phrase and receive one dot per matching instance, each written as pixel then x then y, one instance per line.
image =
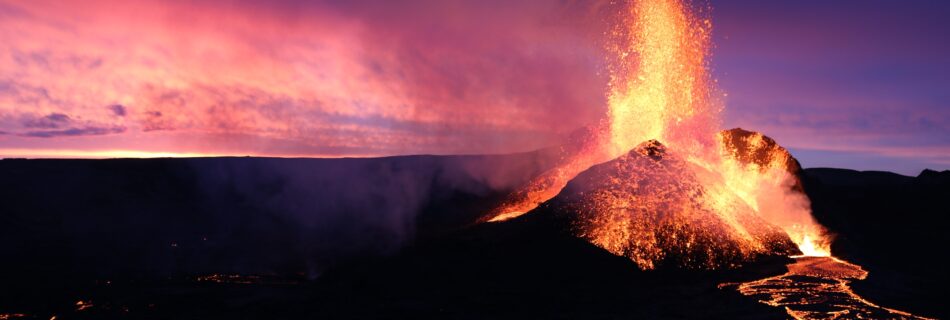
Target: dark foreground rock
pixel 895 227
pixel 291 238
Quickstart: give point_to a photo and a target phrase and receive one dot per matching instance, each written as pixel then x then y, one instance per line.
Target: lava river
pixel 818 288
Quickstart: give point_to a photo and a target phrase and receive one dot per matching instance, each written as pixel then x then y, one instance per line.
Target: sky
pixel 852 84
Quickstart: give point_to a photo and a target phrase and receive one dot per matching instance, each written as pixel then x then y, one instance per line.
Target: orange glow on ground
pixel 818 288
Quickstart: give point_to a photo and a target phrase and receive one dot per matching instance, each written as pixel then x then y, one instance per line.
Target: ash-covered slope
pixel 649 206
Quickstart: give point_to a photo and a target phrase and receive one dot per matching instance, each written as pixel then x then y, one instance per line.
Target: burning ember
pixel 712 198
pixel 83 305
pixel 244 279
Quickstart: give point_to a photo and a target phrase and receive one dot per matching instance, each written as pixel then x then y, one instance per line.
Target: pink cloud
pixel 427 77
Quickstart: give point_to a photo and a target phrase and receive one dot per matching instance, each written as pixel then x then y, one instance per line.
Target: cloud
pixel 117 109
pixel 51 121
pixel 56 125
pixel 84 131
pixel 374 76
pixel 381 77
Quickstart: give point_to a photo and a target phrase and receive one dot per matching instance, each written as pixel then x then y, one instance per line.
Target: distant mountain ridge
pixel 893 226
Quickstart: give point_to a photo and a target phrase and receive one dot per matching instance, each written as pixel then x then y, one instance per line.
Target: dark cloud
pixel 153 121
pixel 26 94
pixel 51 121
pixel 83 131
pixel 117 109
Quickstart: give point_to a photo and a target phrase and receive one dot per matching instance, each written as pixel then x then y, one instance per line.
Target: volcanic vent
pixel 649 205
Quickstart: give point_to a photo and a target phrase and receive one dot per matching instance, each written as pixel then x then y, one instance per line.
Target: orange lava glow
pixel 574 159
pixel 763 174
pixel 660 89
pixel 651 205
pixel 244 279
pixel 83 305
pixel 817 288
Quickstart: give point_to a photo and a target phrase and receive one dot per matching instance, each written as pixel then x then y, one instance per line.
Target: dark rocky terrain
pixel 894 226
pixel 392 238
pixel 67 225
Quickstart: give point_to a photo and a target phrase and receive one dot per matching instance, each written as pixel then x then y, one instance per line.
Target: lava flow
pixel 817 288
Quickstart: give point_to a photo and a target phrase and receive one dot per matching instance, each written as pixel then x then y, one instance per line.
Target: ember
pixel 83 305
pixel 244 279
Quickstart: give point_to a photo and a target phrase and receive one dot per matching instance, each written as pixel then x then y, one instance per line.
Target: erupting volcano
pixel 658 183
pixel 734 184
pixel 455 193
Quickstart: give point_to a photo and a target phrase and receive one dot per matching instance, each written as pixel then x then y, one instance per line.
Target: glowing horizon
pixel 116 154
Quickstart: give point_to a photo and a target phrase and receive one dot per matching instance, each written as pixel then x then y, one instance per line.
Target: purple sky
pixel 853 84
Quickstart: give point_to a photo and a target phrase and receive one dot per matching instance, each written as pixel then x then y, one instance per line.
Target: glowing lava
pixel 766 177
pixel 659 85
pixel 651 206
pixel 817 288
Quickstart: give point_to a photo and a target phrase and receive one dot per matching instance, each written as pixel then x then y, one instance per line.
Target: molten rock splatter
pixel 650 206
pixel 767 178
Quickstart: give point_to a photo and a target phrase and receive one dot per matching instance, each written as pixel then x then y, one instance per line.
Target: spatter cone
pixel 649 205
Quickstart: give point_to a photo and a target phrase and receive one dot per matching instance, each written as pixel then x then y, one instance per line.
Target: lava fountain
pixel 660 89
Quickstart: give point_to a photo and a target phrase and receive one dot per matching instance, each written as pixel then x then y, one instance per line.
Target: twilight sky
pixel 856 84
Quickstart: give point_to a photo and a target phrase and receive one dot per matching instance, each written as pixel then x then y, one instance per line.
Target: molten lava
pixel 659 85
pixel 766 177
pixel 818 288
pixel 728 190
pixel 651 206
pixel 584 151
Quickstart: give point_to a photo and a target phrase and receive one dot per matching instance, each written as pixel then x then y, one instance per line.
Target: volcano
pixel 649 206
pixel 649 212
